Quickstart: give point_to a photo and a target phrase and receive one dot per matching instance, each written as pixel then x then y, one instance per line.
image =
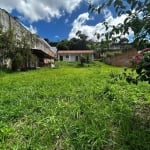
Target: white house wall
pixel 72 57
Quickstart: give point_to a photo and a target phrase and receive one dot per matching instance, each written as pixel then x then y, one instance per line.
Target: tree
pixel 80 43
pixel 138 18
pixel 15 49
pixel 75 44
pixel 51 43
pixel 24 51
pixel 138 21
pixel 83 42
pixel 123 40
pixel 63 45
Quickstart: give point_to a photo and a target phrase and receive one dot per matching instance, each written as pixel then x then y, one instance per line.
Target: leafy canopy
pixel 138 19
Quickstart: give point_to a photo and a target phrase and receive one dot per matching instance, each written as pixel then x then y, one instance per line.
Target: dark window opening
pixel 77 58
pixel 61 58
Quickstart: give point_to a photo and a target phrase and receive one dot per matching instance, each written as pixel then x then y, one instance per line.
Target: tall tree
pixel 83 40
pixel 63 45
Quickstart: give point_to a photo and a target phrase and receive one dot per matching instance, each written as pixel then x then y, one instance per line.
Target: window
pixel 67 56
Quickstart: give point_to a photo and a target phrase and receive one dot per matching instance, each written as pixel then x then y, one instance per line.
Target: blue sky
pixel 59 19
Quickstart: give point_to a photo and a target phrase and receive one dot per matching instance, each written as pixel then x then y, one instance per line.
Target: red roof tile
pixel 75 51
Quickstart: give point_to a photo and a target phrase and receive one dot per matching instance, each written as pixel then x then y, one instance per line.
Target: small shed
pixel 75 55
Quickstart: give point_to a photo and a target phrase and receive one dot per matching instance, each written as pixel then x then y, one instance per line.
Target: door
pixel 61 58
pixel 77 58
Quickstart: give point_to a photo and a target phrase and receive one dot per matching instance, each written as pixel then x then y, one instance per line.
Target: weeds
pixel 73 108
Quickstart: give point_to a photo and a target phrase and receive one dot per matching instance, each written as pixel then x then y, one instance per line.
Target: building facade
pixel 38 46
pixel 75 55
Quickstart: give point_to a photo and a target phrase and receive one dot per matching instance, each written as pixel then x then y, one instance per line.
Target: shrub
pixel 82 60
pixel 141 64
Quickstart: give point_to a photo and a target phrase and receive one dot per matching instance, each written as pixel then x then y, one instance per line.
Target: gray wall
pixel 7 21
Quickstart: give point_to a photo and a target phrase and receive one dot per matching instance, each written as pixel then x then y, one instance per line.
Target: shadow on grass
pixel 134 133
pixel 3 72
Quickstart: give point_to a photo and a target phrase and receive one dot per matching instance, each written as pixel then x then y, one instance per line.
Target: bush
pixel 141 64
pixel 82 60
pixel 17 62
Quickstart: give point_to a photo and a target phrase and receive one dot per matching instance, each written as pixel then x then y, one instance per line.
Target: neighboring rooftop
pixel 54 49
pixel 75 51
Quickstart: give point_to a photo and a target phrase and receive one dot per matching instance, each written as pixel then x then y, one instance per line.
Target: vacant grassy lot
pixel 72 108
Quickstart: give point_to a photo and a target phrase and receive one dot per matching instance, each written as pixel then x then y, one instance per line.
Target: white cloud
pixel 90 31
pixel 9 5
pixel 32 29
pixel 35 10
pixel 79 24
pixel 57 37
pixel 66 20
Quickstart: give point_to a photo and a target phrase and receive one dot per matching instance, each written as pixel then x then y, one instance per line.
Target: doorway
pixel 61 58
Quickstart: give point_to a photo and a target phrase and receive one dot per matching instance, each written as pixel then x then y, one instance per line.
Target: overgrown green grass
pixel 73 108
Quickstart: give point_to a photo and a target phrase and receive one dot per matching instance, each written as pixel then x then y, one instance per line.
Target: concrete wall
pixel 9 22
pixel 123 59
pixel 35 42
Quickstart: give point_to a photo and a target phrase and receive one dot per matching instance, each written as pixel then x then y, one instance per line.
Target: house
pixel 144 50
pixel 75 55
pixel 119 46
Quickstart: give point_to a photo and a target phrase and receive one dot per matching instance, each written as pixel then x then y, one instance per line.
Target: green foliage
pixel 141 65
pixel 63 45
pixel 73 108
pixel 112 53
pixel 16 49
pixel 138 21
pixel 143 68
pixel 82 60
pixel 79 43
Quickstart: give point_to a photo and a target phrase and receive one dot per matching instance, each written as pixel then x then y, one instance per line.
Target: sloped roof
pixel 75 51
pixel 144 50
pixel 54 49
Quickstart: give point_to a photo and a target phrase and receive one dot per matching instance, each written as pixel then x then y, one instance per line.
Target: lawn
pixel 73 108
